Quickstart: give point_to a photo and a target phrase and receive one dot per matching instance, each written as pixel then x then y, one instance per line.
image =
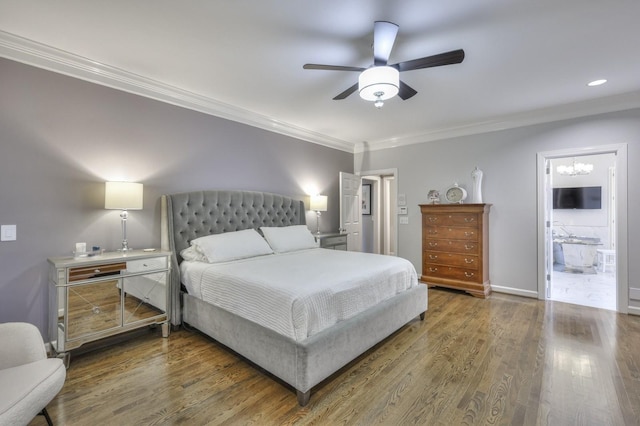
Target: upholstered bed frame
pixel 186 216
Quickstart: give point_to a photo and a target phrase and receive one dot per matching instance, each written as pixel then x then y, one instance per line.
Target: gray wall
pixel 62 138
pixel 508 159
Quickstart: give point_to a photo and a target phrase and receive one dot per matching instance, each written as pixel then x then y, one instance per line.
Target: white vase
pixel 476 174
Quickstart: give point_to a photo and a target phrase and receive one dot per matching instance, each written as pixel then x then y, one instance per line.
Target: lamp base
pixel 317 222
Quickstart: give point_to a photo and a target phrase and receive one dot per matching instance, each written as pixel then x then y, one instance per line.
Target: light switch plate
pixel 402 199
pixel 403 210
pixel 404 220
pixel 8 233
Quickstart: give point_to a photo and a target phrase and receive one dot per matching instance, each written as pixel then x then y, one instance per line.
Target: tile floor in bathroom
pixel 595 290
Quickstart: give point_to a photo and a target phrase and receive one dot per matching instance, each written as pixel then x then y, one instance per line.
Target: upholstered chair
pixel 28 379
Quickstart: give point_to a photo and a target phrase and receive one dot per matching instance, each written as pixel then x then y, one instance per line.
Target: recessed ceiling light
pixel 596 82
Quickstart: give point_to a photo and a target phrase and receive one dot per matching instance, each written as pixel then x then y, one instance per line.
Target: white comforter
pixel 300 293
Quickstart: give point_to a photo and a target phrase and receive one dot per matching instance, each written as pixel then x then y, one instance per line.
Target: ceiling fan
pixel 381 81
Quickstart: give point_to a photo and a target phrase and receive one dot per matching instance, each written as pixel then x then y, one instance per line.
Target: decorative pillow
pixel 192 253
pixel 289 238
pixel 232 245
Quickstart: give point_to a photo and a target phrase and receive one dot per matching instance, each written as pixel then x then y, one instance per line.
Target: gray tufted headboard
pixel 189 215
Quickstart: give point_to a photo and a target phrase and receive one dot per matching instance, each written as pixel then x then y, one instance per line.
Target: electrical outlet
pixel 8 233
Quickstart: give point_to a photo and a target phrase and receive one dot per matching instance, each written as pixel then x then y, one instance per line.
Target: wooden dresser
pixel 455 247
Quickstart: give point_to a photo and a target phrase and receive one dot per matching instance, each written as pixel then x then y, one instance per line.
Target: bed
pixel 301 358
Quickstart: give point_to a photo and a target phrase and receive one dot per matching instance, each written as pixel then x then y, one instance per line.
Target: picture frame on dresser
pixel 366 199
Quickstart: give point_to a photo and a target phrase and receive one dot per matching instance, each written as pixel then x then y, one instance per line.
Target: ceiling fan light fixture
pixel 378 84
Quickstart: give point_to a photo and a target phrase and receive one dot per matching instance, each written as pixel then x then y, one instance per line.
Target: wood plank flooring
pixel 501 360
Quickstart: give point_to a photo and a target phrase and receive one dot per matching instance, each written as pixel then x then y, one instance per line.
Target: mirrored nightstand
pixel 332 240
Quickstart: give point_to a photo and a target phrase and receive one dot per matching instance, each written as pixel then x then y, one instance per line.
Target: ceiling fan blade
pixel 331 67
pixel 446 58
pixel 346 93
pixel 406 91
pixel 384 35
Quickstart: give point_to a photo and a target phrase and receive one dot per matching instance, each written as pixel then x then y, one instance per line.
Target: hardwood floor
pixel 501 360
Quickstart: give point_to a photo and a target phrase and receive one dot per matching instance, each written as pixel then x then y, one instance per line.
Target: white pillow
pixel 192 253
pixel 289 238
pixel 232 245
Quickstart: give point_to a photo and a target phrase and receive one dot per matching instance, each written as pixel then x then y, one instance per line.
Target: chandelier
pixel 575 169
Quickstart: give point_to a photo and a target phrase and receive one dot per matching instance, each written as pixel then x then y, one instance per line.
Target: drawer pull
pixel 433 231
pixel 468 260
pixel 469 246
pixel 97 271
pixel 468 234
pixel 432 257
pixel 145 265
pixel 433 269
pixel 432 244
pixel 469 274
pixel 433 219
pixel 469 219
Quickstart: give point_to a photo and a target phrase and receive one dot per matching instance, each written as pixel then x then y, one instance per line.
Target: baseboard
pixel 514 291
pixel 633 310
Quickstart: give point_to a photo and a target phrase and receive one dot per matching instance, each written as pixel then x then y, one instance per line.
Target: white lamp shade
pixel 378 83
pixel 123 196
pixel 318 203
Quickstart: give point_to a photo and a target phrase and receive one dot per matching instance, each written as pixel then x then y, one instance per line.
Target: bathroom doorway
pixel 581 234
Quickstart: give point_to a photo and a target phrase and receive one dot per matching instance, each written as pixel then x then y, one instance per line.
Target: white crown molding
pixel 602 105
pixel 42 56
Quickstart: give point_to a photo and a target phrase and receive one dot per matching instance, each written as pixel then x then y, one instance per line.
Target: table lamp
pixel 318 204
pixel 123 196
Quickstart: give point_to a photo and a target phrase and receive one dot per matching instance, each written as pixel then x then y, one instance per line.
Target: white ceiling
pixel 526 61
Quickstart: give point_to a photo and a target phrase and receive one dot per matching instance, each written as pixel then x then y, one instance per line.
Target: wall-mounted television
pixel 584 197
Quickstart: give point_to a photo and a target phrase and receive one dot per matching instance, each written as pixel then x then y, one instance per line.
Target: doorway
pixel 583 230
pixel 379 228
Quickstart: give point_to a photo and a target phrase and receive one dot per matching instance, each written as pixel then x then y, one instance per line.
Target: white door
pixel 618 214
pixel 389 215
pixel 548 220
pixel 351 209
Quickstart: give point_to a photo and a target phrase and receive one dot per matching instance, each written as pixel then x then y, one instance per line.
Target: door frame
pixel 384 172
pixel 622 270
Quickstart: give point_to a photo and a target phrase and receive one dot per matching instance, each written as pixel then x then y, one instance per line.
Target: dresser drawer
pixel 451 272
pixel 143 265
pixel 467 261
pixel 82 273
pixel 453 246
pixel 445 219
pixel 454 233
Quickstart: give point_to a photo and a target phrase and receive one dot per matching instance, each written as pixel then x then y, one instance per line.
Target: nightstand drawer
pixel 97 271
pixel 332 241
pixel 143 265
